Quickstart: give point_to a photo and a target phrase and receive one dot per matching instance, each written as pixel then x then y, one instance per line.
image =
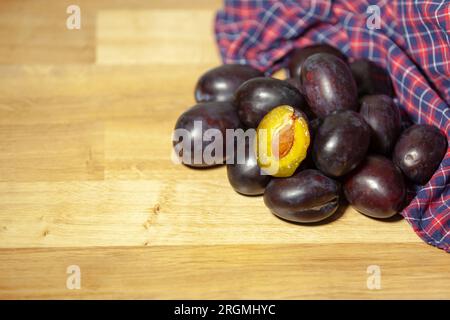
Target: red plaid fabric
pixel 412 44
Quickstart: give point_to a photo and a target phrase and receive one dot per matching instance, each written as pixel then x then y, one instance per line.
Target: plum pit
pixel 285 143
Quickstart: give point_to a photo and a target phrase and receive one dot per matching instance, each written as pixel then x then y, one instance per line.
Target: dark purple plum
pixel 371 78
pixel 306 109
pixel 256 97
pixel 246 178
pixel 376 188
pixel 306 197
pixel 296 83
pixel 419 151
pixel 341 143
pixel 405 121
pixel 314 126
pixel 383 117
pixel 328 84
pixel 220 83
pixel 298 56
pixel 192 125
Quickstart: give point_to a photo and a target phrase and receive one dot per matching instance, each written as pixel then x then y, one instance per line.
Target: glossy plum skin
pixel 306 197
pixel 211 115
pixel 419 151
pixel 328 84
pixel 298 56
pixel 341 143
pixel 256 97
pixel 371 78
pixel 296 83
pixel 384 119
pixel 313 126
pixel 220 83
pixel 376 188
pixel 246 178
pixel 305 108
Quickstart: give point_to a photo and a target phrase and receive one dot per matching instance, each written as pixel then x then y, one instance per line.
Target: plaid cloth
pixel 412 44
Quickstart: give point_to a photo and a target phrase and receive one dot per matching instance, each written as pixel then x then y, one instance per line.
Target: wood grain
pixel 228 272
pixel 86 175
pixel 34 31
pixel 148 36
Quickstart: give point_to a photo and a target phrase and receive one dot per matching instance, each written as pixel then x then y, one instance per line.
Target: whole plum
pixel 419 151
pixel 298 56
pixel 328 84
pixel 191 140
pixel 341 143
pixel 371 78
pixel 376 188
pixel 256 97
pixel 306 197
pixel 220 83
pixel 383 117
pixel 245 176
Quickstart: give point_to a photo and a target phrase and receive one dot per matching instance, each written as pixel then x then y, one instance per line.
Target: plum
pixel 376 188
pixel 220 83
pixel 306 197
pixel 296 83
pixel 283 140
pixel 328 84
pixel 197 129
pixel 256 97
pixel 341 143
pixel 298 56
pixel 246 176
pixel 371 78
pixel 384 119
pixel 419 151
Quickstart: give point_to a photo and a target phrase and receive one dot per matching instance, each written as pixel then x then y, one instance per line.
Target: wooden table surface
pixel 86 176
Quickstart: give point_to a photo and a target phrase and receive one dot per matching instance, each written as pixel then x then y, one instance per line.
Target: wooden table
pixel 86 176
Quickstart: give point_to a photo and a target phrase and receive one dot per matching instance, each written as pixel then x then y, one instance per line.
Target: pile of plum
pixel 332 132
